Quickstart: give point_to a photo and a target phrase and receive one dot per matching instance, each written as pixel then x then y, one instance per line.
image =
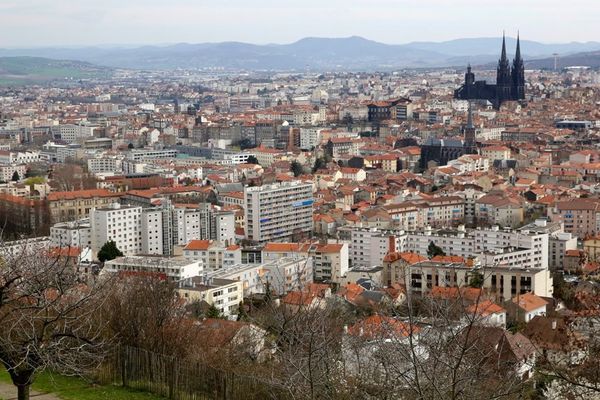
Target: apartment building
pixel 330 260
pixel 142 154
pixel 560 242
pixel 70 133
pixel 213 255
pixel 151 229
pixel 498 209
pixel 174 268
pixel 581 217
pixel 133 229
pixel 204 222
pixel 310 137
pixel 505 282
pixel 71 234
pixel 288 273
pixel 120 224
pixel 224 294
pixel 74 205
pixel 368 246
pixel 524 248
pixel 19 157
pixel 252 276
pixel 279 211
pixel 8 171
pixel 105 165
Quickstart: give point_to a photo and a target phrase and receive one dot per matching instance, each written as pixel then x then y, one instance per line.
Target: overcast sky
pixel 29 23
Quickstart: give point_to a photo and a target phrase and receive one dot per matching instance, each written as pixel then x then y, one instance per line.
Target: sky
pixel 42 23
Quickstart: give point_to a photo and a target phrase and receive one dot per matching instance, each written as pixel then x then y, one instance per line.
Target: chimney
pixel 392 244
pixel 553 324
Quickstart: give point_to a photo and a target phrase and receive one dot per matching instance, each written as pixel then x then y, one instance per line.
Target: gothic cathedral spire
pixel 518 74
pixel 503 77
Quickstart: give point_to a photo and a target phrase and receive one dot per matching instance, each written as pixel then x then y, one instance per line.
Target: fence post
pixel 123 365
pixel 170 378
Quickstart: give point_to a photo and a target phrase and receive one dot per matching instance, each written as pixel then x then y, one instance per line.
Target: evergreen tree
pixel 242 314
pixel 213 312
pixel 109 251
pixel 476 280
pixel 252 160
pixel 434 250
pixel 15 177
pixel 320 163
pixel 296 168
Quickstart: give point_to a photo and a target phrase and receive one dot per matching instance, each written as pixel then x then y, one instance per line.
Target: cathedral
pixel 440 151
pixel 510 82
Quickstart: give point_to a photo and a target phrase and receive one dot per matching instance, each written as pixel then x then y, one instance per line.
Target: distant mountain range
pixel 352 53
pixel 29 70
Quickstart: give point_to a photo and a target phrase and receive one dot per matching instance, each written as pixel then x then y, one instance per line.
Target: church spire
pixel 518 53
pixel 503 56
pixel 470 117
pixel 518 73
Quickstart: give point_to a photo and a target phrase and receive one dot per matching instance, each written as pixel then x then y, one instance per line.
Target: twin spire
pixel 503 58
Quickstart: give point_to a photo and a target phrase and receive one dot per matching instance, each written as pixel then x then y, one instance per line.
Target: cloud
pixel 78 22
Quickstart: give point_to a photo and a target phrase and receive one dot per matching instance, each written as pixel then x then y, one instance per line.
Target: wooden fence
pixel 181 380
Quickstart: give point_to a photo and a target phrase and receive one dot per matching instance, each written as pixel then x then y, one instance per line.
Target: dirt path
pixel 9 392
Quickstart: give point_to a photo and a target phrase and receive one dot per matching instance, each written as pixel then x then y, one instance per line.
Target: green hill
pixel 25 70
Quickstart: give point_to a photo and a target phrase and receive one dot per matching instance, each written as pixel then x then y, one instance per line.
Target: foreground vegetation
pixel 72 388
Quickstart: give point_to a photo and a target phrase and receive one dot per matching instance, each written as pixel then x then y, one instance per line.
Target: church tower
pixel 503 78
pixel 518 74
pixel 470 132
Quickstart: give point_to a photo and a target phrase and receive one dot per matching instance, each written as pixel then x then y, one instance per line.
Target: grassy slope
pixel 69 388
pixel 31 69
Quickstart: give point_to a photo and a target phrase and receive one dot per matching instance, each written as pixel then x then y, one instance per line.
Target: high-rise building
pixel 278 212
pixel 133 229
pixel 204 222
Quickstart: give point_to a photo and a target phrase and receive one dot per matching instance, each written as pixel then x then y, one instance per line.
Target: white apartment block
pixel 310 137
pixel 139 155
pixel 70 133
pixel 289 274
pixel 173 268
pixel 239 158
pixel 560 242
pixel 279 211
pixel 105 164
pixel 224 294
pixel 507 282
pixel 368 246
pixel 204 222
pixel 213 255
pixel 133 229
pixel 151 231
pixel 71 234
pixel 330 261
pixel 7 172
pixel 252 276
pixel 20 157
pixel 524 248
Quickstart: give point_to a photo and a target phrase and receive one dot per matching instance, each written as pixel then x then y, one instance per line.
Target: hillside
pixel 588 59
pixel 23 69
pixel 350 53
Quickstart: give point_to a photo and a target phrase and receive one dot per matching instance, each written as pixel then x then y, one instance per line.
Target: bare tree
pixel 46 316
pixel 143 311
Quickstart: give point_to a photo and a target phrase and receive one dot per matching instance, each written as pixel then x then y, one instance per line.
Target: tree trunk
pixel 23 392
